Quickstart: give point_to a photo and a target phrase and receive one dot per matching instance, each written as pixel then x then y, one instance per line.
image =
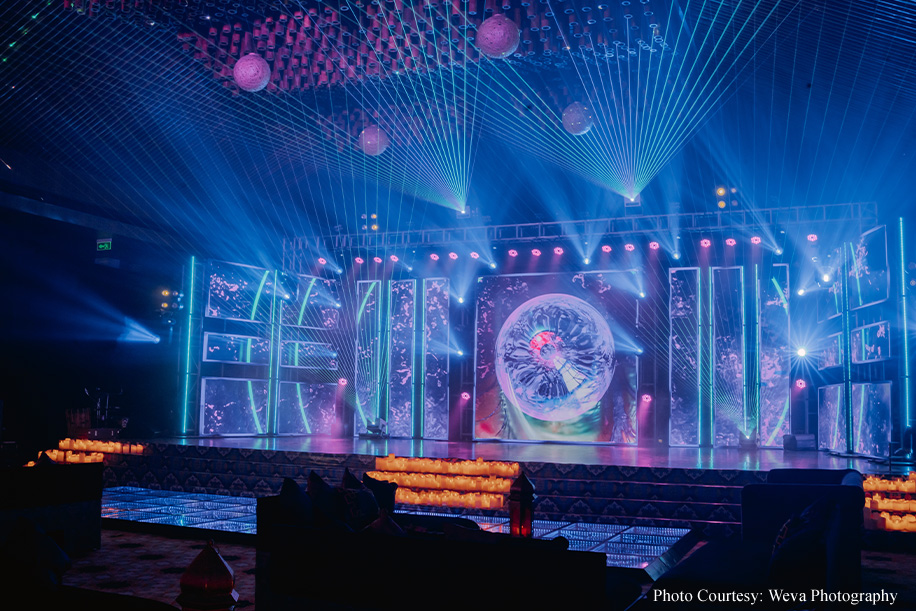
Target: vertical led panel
pixel 306 409
pixel 233 407
pixel 402 321
pixel 871 419
pixel 775 360
pixel 729 403
pixel 684 341
pixel 831 352
pixel 238 292
pixel 316 306
pixel 435 362
pixel 868 278
pixel 870 343
pixel 831 418
pixel 368 357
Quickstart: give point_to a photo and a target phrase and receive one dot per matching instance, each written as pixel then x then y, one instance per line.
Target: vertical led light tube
pixel 904 315
pixel 187 356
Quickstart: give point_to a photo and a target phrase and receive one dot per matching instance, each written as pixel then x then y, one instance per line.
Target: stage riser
pixel 707 499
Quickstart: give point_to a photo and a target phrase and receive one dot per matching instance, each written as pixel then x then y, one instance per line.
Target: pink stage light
pixel 812 237
pixel 513 252
pixel 474 255
pixel 705 243
pixel 535 252
pixel 629 247
pixel 359 260
pixel 558 251
pixel 434 257
pixel 322 261
pixel 342 382
pixel 800 384
pixel 606 248
pixel 465 395
pixel 730 242
pixel 453 255
pixel 377 259
pixel 394 258
pixel 647 398
pixel 654 245
pixel 756 240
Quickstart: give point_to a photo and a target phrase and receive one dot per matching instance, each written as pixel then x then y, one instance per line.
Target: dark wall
pixel 61 316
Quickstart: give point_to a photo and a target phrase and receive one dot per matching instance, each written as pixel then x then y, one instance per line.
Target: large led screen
pixel 556 357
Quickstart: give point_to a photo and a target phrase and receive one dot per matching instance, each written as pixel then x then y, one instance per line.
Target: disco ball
pixel 251 72
pixel 577 119
pixel 555 357
pixel 497 37
pixel 373 140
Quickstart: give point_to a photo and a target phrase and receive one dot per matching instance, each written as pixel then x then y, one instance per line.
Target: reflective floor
pixel 624 546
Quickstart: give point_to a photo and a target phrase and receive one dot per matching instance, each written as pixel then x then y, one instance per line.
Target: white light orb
pixel 251 72
pixel 373 141
pixel 498 37
pixel 578 119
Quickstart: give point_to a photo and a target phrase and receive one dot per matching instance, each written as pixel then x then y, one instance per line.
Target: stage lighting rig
pixel 169 305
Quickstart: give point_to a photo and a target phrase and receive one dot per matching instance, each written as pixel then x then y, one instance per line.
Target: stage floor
pixel 577 454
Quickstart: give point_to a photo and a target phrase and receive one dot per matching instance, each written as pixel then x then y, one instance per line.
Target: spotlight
pixel 629 247
pixel 322 261
pixel 359 260
pixel 535 252
pixel 756 240
pixel 513 252
pixel 166 293
pixel 801 292
pixel 730 242
pixel 377 259
pixel 492 266
pixel 720 191
pixel 465 395
pixel 647 398
pixel 642 294
pixel 826 277
pixel 778 251
pixel 721 204
pixel 677 256
pixel 374 227
pixel 474 255
pixel 558 251
pixel 394 258
pixel 342 382
pixel 460 353
pixel 801 352
pixel 453 255
pixel 800 384
pixel 606 248
pixel 812 237
pixel 461 300
pixel 654 245
pixel 705 243
pixel 434 256
pixel 586 260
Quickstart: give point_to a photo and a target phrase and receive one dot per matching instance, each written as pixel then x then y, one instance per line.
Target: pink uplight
pixel 359 260
pixel 513 253
pixel 730 242
pixel 377 259
pixel 322 261
pixel 705 243
pixel 647 398
pixel 535 252
pixel 756 240
pixel 558 251
pixel 800 384
pixel 453 255
pixel 474 255
pixel 465 395
pixel 654 245
pixel 394 258
pixel 606 248
pixel 342 382
pixel 812 237
pixel 434 257
pixel 629 247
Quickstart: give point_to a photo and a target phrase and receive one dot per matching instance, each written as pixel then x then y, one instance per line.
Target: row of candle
pixel 887 521
pixel 92 445
pixel 874 483
pixel 479 467
pixel 449 498
pixel 435 481
pixel 66 456
pixel 876 502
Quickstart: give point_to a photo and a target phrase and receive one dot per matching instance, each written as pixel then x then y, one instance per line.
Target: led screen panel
pixel 436 351
pixel 239 292
pixel 684 344
pixel 233 406
pixel 871 419
pixel 402 322
pixel 306 409
pixel 831 353
pixel 871 343
pixel 830 295
pixel 368 357
pixel 831 418
pixel 868 279
pixel 556 357
pixel 316 306
pixel 775 359
pixel 308 355
pixel 227 348
pixel 730 417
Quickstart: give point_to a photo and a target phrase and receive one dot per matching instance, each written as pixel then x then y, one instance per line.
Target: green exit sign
pixel 103 244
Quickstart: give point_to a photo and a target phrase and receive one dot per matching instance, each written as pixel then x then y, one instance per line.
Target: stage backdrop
pixel 556 357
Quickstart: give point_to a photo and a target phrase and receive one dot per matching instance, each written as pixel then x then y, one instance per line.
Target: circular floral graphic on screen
pixel 555 357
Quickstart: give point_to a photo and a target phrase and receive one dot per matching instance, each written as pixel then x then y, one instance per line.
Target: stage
pixel 662 487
